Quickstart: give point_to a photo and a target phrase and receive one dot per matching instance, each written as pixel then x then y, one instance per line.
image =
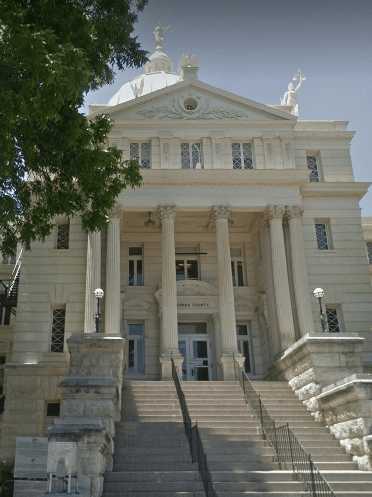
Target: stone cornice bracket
pixel 167 212
pixel 293 211
pixel 274 212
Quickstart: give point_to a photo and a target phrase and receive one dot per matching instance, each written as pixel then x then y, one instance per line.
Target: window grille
pixel 141 152
pixel 135 270
pixel 322 232
pixel 242 157
pixel 333 320
pixel 313 167
pixel 369 252
pixel 63 236
pixel 58 330
pixel 237 267
pixel 191 155
pixel 53 409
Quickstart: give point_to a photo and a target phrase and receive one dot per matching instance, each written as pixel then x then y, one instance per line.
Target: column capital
pixel 293 211
pixel 116 211
pixel 167 212
pixel 274 212
pixel 220 212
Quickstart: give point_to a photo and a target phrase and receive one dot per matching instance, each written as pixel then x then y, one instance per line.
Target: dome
pixel 157 74
pixel 142 85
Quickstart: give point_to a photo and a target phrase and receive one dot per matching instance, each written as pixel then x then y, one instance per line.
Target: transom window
pixel 323 235
pixel 141 152
pixel 58 330
pixel 192 155
pixel 312 161
pixel 369 252
pixel 63 236
pixel 333 319
pixel 135 269
pixel 237 267
pixel 242 157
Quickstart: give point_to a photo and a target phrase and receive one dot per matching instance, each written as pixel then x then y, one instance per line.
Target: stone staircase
pixel 240 462
pixel 152 455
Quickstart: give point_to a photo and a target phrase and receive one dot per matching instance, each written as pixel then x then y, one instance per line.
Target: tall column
pixel 169 321
pixel 299 270
pixel 112 294
pixel 229 342
pixel 92 279
pixel 274 215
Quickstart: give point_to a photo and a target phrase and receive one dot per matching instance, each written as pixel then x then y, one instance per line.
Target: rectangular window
pixel 312 161
pixel 135 270
pixel 141 152
pixel 323 235
pixel 243 332
pixel 53 409
pixel 187 264
pixel 63 236
pixel 192 155
pixel 242 157
pixel 237 267
pixel 333 319
pixel 369 252
pixel 136 347
pixel 58 330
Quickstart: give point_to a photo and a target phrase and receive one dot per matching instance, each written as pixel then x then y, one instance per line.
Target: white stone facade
pixel 261 216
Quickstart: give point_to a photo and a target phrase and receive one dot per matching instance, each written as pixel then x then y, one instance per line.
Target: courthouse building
pixel 244 210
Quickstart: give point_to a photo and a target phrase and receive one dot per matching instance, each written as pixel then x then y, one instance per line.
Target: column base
pixel 227 361
pixel 166 364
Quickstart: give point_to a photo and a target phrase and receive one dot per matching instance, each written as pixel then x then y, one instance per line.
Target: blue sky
pixel 253 48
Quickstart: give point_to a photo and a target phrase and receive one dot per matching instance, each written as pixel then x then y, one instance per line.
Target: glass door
pixel 195 351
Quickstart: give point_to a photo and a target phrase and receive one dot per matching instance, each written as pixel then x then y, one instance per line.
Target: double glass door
pixel 195 351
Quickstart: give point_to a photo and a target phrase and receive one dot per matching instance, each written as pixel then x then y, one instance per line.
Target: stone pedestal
pixel 90 407
pixel 346 407
pixel 316 361
pixel 166 365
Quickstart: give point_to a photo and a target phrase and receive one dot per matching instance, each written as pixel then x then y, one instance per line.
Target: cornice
pixel 335 189
pixel 224 177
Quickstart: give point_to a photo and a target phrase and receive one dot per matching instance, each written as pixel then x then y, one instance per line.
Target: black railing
pixel 289 452
pixel 193 435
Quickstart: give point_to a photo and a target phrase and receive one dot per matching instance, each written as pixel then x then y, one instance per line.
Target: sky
pixel 254 47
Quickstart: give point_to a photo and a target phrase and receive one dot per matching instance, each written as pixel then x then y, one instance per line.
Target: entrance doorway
pixel 193 344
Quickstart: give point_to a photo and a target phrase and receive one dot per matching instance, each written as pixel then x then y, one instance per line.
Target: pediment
pixel 212 104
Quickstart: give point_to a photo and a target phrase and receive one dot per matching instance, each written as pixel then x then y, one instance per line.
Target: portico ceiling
pixel 186 222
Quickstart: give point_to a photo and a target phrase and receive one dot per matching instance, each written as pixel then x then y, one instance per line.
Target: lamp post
pixel 319 294
pixel 98 293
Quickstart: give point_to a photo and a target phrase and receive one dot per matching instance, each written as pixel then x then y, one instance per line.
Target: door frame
pixel 189 339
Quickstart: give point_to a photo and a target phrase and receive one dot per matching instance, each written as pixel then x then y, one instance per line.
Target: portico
pixel 212 265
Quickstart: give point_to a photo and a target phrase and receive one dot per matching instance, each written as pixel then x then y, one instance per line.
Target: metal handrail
pixel 289 452
pixel 15 272
pixel 193 435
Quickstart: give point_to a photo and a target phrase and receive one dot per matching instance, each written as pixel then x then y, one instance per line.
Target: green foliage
pixel 53 160
pixel 6 479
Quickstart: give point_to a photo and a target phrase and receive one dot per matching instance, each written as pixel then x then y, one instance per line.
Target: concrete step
pixel 152 465
pixel 154 486
pixel 149 476
pixel 151 493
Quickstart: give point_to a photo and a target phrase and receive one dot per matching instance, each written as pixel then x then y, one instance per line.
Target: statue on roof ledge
pixel 290 96
pixel 159 33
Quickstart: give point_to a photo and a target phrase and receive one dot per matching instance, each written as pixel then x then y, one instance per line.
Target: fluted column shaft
pixel 225 284
pixel 169 338
pixel 112 300
pixel 284 313
pixel 92 279
pixel 299 270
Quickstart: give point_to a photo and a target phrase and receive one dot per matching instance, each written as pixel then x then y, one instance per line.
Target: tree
pixel 53 159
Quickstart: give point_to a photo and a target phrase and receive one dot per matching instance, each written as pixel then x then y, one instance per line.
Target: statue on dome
pixel 159 33
pixel 290 96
